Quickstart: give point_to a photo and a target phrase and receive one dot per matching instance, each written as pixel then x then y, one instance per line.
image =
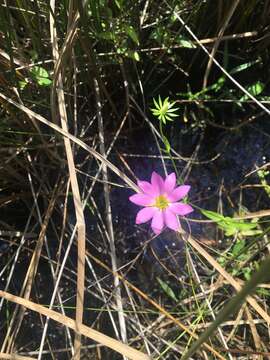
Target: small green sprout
pixel 164 110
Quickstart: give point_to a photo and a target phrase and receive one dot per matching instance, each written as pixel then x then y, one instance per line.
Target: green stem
pixel 168 152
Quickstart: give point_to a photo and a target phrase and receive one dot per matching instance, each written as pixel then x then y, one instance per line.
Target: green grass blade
pixel 262 275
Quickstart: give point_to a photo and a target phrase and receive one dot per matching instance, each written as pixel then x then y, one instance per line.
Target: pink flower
pixel 160 201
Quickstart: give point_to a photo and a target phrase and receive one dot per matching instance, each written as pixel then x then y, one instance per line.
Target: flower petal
pixel 179 193
pixel 157 183
pixel 181 209
pixel 142 199
pixel 146 187
pixel 171 220
pixel 145 214
pixel 169 183
pixel 156 231
pixel 157 222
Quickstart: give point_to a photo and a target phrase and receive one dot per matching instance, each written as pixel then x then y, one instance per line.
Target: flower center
pixel 161 202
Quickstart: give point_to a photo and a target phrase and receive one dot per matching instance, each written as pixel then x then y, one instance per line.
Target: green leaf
pixel 239 224
pixel 251 232
pixel 22 84
pixel 212 215
pixel 118 4
pixel 133 55
pixel 41 76
pixel 130 31
pixel 260 276
pixel 167 289
pixel 230 225
pixel 247 273
pixel 160 102
pixel 238 247
pixel 38 71
pixel 254 89
pixel 218 85
pixel 155 103
pixel 106 35
pixel 244 66
pixel 166 143
pixel 44 82
pixel 136 56
pixel 164 110
pixel 186 44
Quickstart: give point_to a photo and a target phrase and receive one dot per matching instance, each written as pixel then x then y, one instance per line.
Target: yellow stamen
pixel 161 202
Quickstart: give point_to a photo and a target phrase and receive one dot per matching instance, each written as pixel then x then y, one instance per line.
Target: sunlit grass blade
pixel 262 275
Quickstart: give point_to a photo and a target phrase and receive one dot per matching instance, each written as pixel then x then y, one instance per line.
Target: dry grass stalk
pixel 110 229
pixel 227 276
pixel 199 283
pixel 73 180
pixel 224 71
pixel 77 141
pixel 254 332
pixel 14 357
pixel 217 42
pixel 156 305
pixel 84 330
pixel 25 292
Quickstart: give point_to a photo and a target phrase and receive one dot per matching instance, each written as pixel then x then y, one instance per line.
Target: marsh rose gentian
pixel 160 200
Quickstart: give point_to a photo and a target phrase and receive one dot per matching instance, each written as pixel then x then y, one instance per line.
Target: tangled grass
pixel 77 85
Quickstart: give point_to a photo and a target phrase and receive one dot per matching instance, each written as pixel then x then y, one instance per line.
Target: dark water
pixel 213 182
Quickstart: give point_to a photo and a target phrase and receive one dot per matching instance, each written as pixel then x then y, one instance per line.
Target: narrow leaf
pixel 262 275
pixel 167 289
